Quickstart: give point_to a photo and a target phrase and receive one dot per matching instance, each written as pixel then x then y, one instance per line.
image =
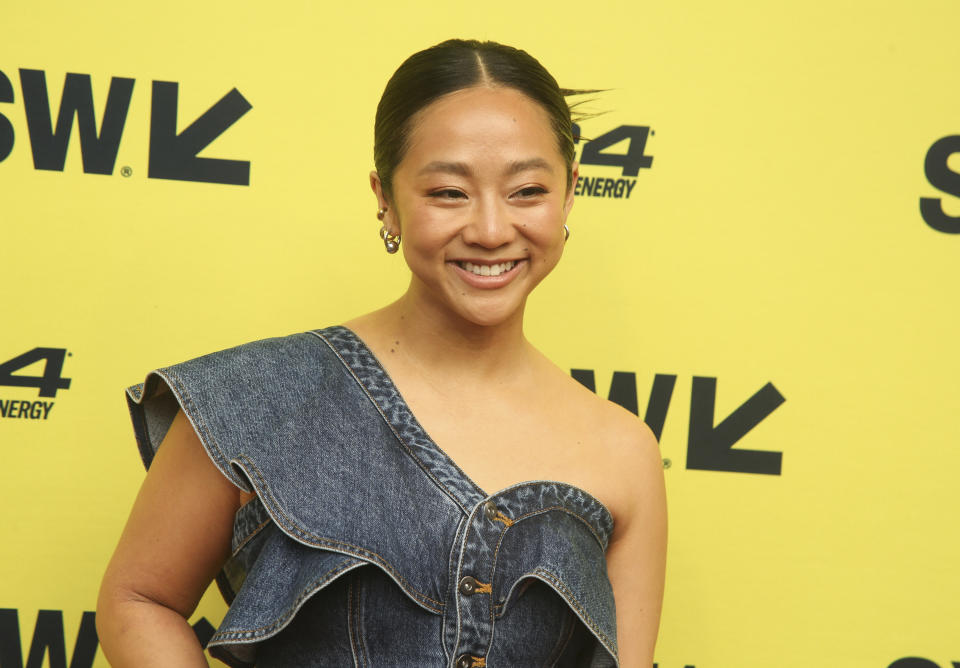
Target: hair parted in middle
pixel 454 65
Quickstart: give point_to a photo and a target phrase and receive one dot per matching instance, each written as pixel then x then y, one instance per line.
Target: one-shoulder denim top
pixel 366 545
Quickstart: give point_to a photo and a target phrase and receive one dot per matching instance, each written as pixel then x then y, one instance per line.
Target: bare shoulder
pixel 624 434
pixel 622 447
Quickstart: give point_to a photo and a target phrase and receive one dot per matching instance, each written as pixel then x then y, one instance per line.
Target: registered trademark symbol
pixel 667 463
pixel 69 354
pixel 653 132
pixel 126 171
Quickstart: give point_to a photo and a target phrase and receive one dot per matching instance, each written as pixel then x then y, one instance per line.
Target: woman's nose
pixel 490 225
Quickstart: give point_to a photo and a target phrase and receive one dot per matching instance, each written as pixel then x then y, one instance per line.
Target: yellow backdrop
pixel 767 286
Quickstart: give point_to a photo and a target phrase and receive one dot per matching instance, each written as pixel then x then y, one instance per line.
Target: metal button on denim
pixel 316 428
pixel 468 586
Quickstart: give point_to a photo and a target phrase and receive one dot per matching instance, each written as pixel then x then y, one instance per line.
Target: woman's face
pixel 480 199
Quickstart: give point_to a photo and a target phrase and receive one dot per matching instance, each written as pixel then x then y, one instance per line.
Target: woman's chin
pixel 492 315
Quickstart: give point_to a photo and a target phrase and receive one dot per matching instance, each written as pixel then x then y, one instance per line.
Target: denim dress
pixel 366 544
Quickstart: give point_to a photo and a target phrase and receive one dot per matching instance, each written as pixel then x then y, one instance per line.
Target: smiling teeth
pixel 488 269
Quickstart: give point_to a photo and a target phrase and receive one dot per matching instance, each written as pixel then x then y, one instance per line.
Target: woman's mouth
pixel 487 269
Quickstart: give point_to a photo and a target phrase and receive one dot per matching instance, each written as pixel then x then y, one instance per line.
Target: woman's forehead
pixel 479 122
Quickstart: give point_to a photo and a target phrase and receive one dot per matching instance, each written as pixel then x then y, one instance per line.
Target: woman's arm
pixel 636 556
pixel 176 540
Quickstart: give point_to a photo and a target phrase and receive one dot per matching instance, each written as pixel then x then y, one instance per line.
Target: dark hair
pixel 451 66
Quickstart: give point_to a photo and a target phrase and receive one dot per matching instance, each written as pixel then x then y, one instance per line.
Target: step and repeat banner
pixel 764 265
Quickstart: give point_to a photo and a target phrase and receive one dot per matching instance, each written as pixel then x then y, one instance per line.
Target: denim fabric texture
pixel 366 545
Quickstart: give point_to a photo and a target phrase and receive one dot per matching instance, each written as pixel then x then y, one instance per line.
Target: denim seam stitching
pixel 452 565
pixel 292 610
pixel 572 600
pixel 565 510
pixel 250 536
pixel 350 625
pixel 499 608
pixel 457 598
pixel 312 539
pixel 195 417
pixel 493 570
pixel 424 466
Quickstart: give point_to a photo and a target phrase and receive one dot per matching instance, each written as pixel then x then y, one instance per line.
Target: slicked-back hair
pixel 451 66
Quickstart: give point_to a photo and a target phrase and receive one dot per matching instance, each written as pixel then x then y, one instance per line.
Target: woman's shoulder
pixel 265 348
pixel 266 358
pixel 610 421
pixel 622 447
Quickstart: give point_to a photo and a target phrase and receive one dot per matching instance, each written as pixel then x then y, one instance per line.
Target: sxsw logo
pixel 944 179
pixel 172 155
pixel 710 444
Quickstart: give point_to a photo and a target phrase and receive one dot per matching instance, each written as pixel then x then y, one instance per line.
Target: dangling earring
pixel 390 241
pixel 566 232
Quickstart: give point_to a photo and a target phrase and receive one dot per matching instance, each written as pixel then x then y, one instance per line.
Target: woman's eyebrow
pixel 524 165
pixel 462 169
pixel 458 168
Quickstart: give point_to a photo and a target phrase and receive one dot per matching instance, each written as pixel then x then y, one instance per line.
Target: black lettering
pixel 623 386
pixel 608 187
pixel 4 405
pixel 660 395
pixel 49 383
pixel 585 377
pixel 47 406
pixel 576 188
pixel 24 409
pixel 630 185
pixel 174 156
pixel 621 186
pixel 943 179
pixel 48 640
pixel 98 149
pixel 6 128
pixel 204 631
pixel 710 448
pixel 914 662
pixel 11 652
pixel 623 391
pixel 631 162
pixel 13 405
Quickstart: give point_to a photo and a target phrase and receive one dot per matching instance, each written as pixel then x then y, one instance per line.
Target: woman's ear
pixel 385 211
pixel 377 188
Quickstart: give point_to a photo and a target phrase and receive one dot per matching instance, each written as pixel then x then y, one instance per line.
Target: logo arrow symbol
pixel 711 448
pixel 174 156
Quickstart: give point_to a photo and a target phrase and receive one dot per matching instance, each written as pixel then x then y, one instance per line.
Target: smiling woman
pixel 481 187
pixel 419 486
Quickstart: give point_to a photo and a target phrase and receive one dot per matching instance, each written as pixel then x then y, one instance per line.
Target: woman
pixel 346 531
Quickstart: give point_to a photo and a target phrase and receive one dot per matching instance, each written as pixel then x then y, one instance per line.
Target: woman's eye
pixel 531 191
pixel 448 193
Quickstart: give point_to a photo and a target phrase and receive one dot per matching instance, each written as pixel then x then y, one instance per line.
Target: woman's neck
pixel 440 342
